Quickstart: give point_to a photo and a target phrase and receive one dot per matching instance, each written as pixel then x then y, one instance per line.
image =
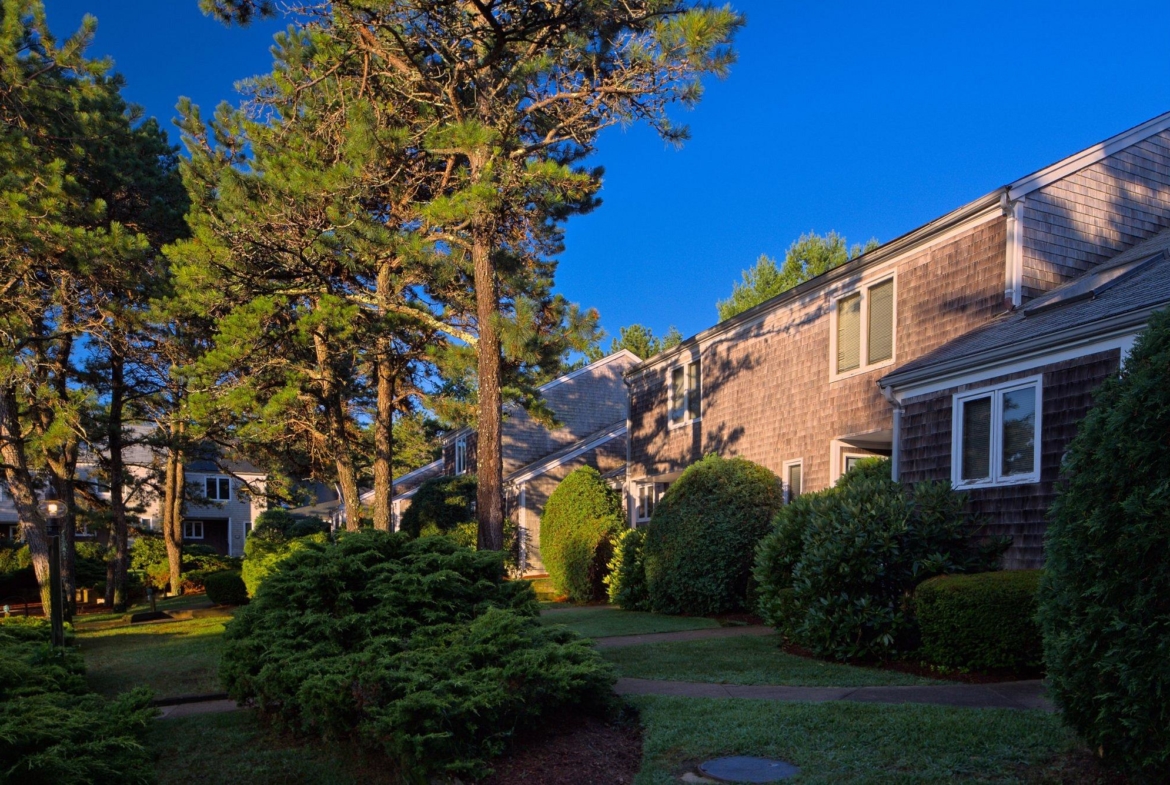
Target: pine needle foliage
pixel 419 648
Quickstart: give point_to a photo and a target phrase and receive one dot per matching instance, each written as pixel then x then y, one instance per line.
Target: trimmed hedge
pixel 980 622
pixel 226 587
pixel 580 521
pixel 701 537
pixel 442 502
pixel 1105 595
pixel 419 648
pixel 626 581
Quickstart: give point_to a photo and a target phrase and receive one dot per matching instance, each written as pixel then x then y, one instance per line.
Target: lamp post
pixel 53 511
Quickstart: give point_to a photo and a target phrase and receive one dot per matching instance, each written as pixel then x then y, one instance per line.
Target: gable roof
pixel 1114 299
pixel 933 231
pixel 620 354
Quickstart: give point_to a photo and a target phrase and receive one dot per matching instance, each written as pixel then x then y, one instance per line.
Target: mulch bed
pixel 926 670
pixel 573 750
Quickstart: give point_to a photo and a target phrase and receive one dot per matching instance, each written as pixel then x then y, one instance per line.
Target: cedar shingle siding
pixel 1017 510
pixel 1093 214
pixel 765 387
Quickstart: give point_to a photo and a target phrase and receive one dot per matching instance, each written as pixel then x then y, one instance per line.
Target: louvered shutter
pixel 881 322
pixel 694 391
pixel 849 333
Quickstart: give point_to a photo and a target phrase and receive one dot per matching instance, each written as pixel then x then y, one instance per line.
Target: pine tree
pixel 638 339
pixel 808 257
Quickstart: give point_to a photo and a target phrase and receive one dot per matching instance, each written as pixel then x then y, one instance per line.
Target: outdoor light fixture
pixel 53 510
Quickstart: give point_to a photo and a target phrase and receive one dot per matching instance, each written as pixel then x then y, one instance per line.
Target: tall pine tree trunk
pixel 489 454
pixel 172 508
pixel 384 415
pixel 338 434
pixel 20 486
pixel 67 493
pixel 117 478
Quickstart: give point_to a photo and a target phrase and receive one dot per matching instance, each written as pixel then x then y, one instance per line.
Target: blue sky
pixel 867 118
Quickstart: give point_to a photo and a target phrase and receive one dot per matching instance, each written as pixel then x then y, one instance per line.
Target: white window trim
pixel 785 485
pixel 461 455
pixel 638 488
pixel 685 363
pixel 862 288
pixel 996 392
pixel 202 530
pixel 217 478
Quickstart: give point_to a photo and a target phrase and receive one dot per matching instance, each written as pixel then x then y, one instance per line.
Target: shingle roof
pixel 1115 296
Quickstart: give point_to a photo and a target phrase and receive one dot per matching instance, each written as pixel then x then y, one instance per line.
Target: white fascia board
pixel 1019 363
pixel 368 495
pixel 1088 156
pixel 624 353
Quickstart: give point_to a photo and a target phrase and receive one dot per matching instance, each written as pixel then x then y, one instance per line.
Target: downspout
pixel 1014 253
pixel 896 442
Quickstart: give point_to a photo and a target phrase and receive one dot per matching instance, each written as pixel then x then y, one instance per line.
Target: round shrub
pixel 225 587
pixel 577 528
pixel 834 574
pixel 626 581
pixel 701 537
pixel 441 502
pixel 417 647
pixel 980 622
pixel 1105 595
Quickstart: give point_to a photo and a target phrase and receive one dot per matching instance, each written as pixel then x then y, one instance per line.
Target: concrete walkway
pixel 684 635
pixel 203 707
pixel 1006 695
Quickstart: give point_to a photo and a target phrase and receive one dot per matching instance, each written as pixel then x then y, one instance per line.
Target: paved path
pixel 191 709
pixel 684 635
pixel 1006 695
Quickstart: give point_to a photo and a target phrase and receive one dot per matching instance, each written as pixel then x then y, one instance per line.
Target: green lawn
pixel 238 747
pixel 835 743
pixel 172 658
pixel 183 602
pixel 746 660
pixel 604 621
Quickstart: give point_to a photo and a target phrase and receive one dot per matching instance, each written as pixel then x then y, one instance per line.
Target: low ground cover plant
pixel 836 571
pixel 1105 595
pixel 702 534
pixel 981 622
pixel 582 518
pixel 417 647
pixel 53 730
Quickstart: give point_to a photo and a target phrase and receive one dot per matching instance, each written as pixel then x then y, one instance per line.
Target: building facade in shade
pixel 793 384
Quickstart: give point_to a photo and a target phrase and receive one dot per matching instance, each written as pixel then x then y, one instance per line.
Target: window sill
pixel 837 377
pixel 974 485
pixel 683 424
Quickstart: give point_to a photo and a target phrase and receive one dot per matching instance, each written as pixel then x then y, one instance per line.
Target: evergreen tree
pixel 84 191
pixel 519 91
pixel 638 339
pixel 808 257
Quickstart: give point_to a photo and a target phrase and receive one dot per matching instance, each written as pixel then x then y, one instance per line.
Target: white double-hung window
pixel 192 530
pixel 996 435
pixel 863 328
pixel 686 393
pixel 219 489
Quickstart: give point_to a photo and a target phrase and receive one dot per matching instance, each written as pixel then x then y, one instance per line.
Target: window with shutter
pixel 996 436
pixel 685 395
pixel 881 322
pixel 849 333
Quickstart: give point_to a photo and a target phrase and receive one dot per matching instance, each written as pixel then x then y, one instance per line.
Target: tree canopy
pixel 638 339
pixel 811 255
